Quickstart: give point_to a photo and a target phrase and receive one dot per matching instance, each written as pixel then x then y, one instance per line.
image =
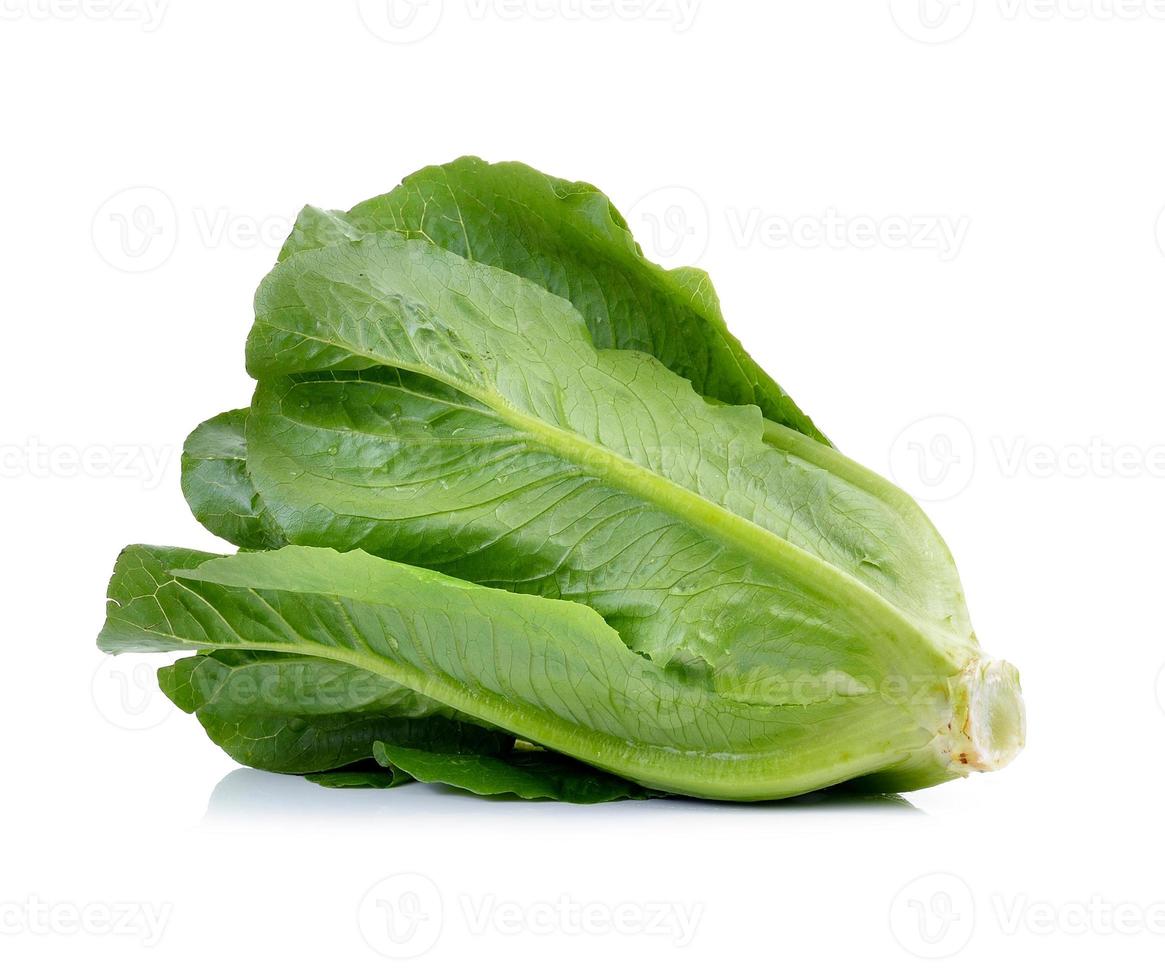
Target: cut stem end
pixel 990 724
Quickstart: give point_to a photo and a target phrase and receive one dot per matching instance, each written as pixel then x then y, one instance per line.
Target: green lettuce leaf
pixel 217 487
pixel 530 775
pixel 567 237
pixel 551 672
pixel 440 412
pixel 298 714
pixel 360 775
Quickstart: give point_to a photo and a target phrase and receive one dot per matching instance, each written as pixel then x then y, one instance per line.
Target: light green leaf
pixel 567 237
pixel 551 672
pixel 461 418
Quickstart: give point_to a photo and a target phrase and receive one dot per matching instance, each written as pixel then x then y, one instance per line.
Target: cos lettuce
pixel 518 498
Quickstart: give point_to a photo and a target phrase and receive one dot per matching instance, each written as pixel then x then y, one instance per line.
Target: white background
pixel 939 227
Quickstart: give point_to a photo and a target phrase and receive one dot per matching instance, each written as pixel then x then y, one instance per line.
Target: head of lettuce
pixel 518 514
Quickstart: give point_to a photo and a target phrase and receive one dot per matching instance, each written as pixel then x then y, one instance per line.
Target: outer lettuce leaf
pixel 567 237
pixel 441 412
pixel 551 672
pixel 531 775
pixel 298 714
pixel 217 487
pixel 360 775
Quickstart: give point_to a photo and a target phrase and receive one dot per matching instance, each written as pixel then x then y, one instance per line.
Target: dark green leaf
pixel 217 487
pixel 365 775
pixel 531 775
pixel 300 714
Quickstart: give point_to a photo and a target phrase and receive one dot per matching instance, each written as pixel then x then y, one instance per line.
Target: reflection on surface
pixel 248 796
